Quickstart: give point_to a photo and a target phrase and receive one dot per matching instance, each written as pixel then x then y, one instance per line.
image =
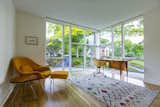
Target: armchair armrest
pixel 42 68
pixel 27 70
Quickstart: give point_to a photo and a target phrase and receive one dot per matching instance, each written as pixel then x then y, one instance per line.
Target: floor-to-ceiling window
pixel 134 44
pixel 77 48
pixel 68 46
pixel 54 42
pixel 125 40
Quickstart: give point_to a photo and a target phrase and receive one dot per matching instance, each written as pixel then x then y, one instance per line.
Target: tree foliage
pixel 130 29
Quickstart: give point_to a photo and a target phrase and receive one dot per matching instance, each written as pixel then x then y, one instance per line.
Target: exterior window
pixel 106 43
pixel 134 44
pixel 117 32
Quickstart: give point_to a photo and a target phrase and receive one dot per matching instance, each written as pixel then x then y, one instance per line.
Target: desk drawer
pixel 118 65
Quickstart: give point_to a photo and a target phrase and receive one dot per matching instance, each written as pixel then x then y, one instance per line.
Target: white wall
pixel 152 46
pixel 7 44
pixel 30 25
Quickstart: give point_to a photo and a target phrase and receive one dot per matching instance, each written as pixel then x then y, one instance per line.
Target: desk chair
pixel 99 65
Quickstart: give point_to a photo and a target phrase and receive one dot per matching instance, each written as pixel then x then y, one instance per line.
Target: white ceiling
pixel 96 14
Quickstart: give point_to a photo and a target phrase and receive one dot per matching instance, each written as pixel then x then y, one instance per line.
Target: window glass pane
pixel 66 40
pixel 117 41
pixel 77 48
pixel 54 40
pixel 90 50
pixel 77 35
pixel 66 46
pixel 54 44
pixel 134 38
pixel 106 43
pixel 90 55
pixel 90 37
pixel 134 44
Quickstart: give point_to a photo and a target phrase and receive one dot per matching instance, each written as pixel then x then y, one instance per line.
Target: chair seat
pixel 59 74
pixel 45 74
pixel 24 78
pixel 42 68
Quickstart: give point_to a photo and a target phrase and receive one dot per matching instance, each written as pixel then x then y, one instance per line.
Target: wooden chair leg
pixel 34 92
pixel 41 85
pixel 16 89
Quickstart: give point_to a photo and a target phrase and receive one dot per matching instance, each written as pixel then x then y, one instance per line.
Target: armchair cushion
pixel 45 74
pixel 41 68
pixel 59 74
pixel 26 69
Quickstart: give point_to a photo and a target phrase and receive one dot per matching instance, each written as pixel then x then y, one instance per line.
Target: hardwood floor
pixel 156 102
pixel 62 94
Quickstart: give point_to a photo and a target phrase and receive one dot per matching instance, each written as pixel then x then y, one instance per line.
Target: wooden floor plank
pixel 62 95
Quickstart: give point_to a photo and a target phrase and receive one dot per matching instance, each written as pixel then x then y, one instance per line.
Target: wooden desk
pixel 120 64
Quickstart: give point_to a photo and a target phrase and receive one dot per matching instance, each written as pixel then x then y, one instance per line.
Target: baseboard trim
pixel 7 96
pixel 152 82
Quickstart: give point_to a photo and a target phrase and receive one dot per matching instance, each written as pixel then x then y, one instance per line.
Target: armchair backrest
pixel 19 61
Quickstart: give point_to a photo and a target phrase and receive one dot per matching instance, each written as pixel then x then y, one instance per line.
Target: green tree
pixel 128 48
pixel 104 41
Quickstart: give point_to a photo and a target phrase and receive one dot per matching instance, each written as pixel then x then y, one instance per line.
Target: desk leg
pixel 127 68
pixel 120 70
pixel 120 74
pixel 127 74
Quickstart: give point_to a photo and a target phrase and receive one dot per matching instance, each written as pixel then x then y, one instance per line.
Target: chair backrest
pixel 99 63
pixel 19 61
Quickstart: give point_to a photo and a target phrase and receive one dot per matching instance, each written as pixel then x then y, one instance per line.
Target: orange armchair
pixel 26 66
